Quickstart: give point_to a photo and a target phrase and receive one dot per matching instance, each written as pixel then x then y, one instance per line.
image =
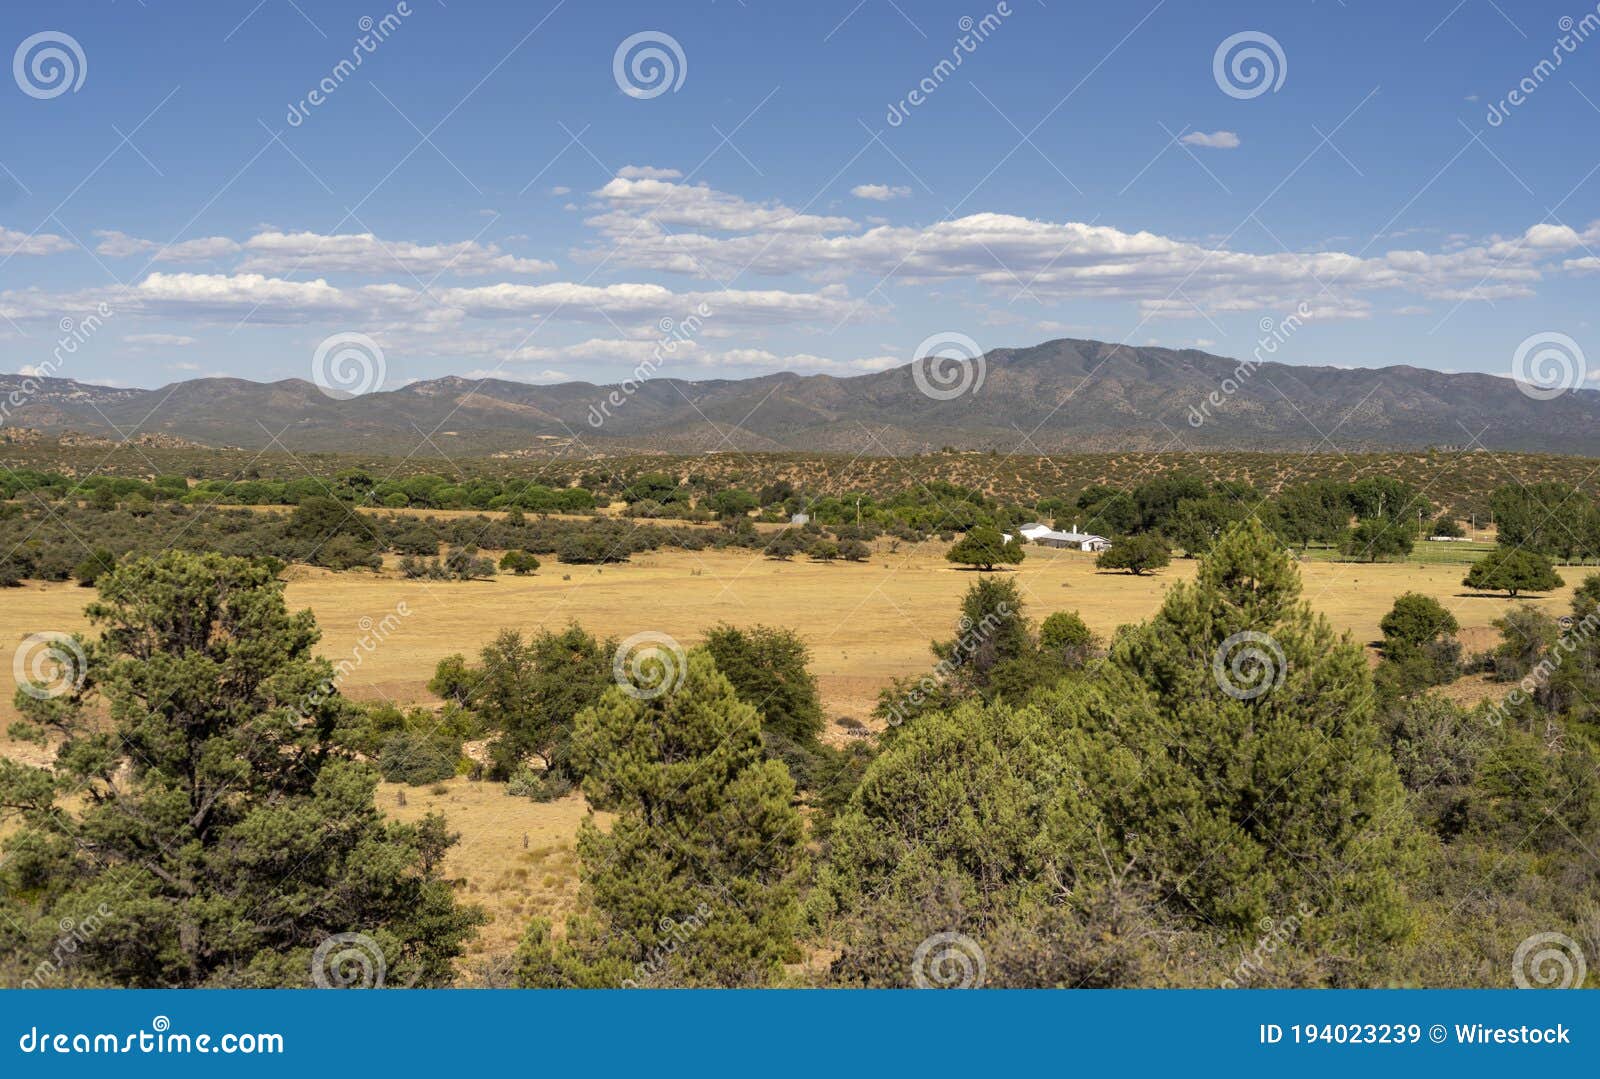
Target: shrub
pixel 413 759
pixel 91 569
pixel 545 786
pixel 853 550
pixel 519 562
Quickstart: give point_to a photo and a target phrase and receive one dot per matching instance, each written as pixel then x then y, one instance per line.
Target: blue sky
pixel 481 196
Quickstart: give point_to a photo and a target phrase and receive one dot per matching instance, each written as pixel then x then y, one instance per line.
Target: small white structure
pixel 1046 536
pixel 800 519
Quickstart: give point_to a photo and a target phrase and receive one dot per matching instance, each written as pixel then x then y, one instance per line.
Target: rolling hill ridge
pixel 1057 397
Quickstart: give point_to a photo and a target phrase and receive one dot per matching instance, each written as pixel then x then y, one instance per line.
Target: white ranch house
pixel 1045 536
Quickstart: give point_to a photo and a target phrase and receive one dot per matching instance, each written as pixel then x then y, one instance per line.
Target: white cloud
pixel 1216 140
pixel 648 172
pixel 278 252
pixel 561 189
pixel 537 379
pixel 714 234
pixel 267 299
pixel 114 244
pixel 13 242
pixel 879 192
pixel 654 203
pixel 606 351
pixel 170 340
pixel 800 361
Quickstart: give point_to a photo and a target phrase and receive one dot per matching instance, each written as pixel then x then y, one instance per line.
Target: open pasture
pixel 865 623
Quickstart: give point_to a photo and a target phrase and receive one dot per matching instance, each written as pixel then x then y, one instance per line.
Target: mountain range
pixel 1062 396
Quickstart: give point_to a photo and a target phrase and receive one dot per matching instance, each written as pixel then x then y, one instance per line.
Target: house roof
pixel 1035 530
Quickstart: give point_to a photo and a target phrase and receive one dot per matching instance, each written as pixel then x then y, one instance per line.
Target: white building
pixel 1046 536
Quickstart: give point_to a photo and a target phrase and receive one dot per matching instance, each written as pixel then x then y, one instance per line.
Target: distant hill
pixel 1057 397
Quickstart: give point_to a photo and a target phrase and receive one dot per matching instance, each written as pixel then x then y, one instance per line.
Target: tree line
pixel 1081 812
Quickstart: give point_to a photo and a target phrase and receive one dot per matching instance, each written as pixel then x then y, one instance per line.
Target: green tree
pixel 1157 500
pixel 1065 636
pixel 1197 522
pixel 991 633
pixel 1513 570
pixel 519 562
pixel 767 667
pixel 1379 537
pixel 1419 645
pixel 823 551
pixel 1415 620
pixel 319 518
pixel 694 883
pixel 732 502
pixel 785 545
pixel 1257 694
pixel 528 692
pixel 99 563
pixel 1551 519
pixel 214 814
pixel 854 550
pixel 1315 512
pixel 985 548
pixel 1138 554
pixel 1222 767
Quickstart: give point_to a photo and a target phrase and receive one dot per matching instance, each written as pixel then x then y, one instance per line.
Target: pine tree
pixel 694 884
pixel 220 827
pixel 1182 792
pixel 1266 728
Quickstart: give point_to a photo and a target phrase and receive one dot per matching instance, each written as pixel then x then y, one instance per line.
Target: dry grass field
pixel 516 858
pixel 865 623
